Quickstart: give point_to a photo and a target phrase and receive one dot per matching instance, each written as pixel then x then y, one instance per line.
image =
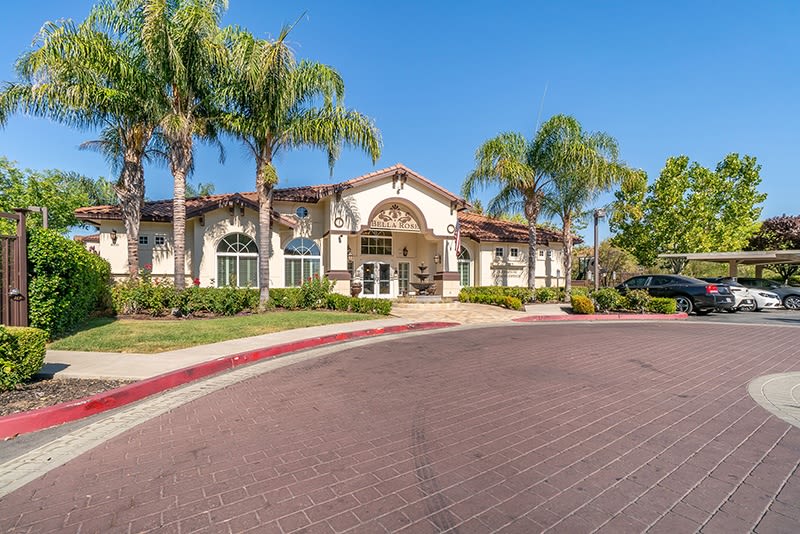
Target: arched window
pixel 237 261
pixel 464 262
pixel 302 261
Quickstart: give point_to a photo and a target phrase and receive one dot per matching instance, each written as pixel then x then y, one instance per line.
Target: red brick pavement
pixel 568 427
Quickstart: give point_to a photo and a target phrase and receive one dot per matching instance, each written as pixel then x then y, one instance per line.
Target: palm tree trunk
pixel 130 192
pixel 266 177
pixel 180 159
pixel 532 214
pixel 566 237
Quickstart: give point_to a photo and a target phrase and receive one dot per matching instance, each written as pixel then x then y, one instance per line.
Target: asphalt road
pixel 763 317
pixel 624 427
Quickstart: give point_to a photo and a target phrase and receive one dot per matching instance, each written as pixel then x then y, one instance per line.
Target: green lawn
pixel 145 336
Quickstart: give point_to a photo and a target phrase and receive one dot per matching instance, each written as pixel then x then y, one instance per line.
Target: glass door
pixel 377 279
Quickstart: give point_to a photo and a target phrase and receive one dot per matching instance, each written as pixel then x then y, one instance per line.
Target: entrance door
pixel 377 281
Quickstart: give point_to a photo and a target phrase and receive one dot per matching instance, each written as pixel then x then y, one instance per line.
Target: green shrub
pixel 335 301
pixel 144 295
pixel 21 354
pixel 608 298
pixel 582 305
pixel 67 282
pixel 314 290
pixel 662 305
pixel 583 291
pixel 637 300
pixel 496 295
pixel 547 294
pixel 289 298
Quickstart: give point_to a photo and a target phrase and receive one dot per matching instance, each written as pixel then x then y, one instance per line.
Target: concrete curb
pixel 603 317
pixel 26 422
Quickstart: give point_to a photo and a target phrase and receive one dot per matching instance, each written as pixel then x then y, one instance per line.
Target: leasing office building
pixel 380 229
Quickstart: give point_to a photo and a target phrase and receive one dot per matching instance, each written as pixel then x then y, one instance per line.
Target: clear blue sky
pixel 664 78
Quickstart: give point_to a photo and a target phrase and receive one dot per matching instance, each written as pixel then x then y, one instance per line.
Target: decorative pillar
pixel 336 245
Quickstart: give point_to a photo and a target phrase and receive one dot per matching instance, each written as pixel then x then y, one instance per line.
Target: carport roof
pixel 756 257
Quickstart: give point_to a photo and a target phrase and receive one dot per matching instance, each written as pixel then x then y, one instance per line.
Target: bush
pixel 67 282
pixel 144 295
pixel 637 300
pixel 289 298
pixel 497 296
pixel 662 305
pixel 21 354
pixel 547 294
pixel 608 298
pixel 582 305
pixel 314 291
pixel 583 291
pixel 338 302
pixel 335 301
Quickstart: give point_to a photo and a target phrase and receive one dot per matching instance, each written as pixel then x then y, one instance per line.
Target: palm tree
pixel 523 170
pixel 593 168
pixel 182 46
pixel 82 77
pixel 272 108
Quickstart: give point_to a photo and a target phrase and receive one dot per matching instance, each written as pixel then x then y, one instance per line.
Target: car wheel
pixel 684 304
pixel 748 307
pixel 792 302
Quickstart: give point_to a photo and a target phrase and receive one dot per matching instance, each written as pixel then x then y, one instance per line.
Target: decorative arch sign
pixel 394 218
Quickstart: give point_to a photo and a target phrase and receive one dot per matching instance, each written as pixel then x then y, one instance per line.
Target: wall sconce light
pixel 405 251
pixel 113 237
pixel 202 220
pixel 241 211
pixel 349 254
pixel 16 295
pixel 232 210
pixel 437 259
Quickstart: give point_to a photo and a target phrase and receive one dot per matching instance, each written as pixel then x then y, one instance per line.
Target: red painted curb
pixel 603 317
pixel 39 419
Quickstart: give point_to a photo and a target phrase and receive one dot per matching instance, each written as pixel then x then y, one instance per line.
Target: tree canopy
pixel 689 208
pixel 778 233
pixel 61 192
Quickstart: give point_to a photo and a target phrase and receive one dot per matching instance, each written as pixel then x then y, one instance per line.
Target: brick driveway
pixel 570 427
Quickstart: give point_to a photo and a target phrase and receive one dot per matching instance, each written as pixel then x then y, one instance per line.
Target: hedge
pixel 507 297
pixel 67 282
pixel 582 305
pixel 22 352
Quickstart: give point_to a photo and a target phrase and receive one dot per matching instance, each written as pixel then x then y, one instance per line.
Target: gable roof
pixel 161 210
pixel 482 228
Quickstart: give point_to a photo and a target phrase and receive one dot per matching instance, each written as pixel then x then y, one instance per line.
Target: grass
pixel 145 336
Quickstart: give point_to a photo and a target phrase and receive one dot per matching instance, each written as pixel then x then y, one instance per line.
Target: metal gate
pixel 14 273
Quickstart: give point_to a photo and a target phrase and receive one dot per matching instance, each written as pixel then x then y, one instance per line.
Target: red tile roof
pixel 161 210
pixel 482 228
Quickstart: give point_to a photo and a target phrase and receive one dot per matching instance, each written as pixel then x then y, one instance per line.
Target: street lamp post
pixel 598 214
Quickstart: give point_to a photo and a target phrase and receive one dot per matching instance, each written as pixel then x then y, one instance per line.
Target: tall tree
pixel 778 233
pixel 689 208
pixel 276 104
pixel 182 45
pixel 592 168
pixel 82 76
pixel 523 170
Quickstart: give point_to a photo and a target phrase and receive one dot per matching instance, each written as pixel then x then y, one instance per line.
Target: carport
pixel 759 258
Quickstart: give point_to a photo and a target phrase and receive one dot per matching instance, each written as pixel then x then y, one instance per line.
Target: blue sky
pixel 664 78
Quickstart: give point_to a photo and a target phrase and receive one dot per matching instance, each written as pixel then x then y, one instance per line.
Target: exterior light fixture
pixel 113 237
pixel 437 259
pixel 15 295
pixel 405 251
pixel 349 254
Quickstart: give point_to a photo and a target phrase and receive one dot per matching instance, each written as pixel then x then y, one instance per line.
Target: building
pixel 385 230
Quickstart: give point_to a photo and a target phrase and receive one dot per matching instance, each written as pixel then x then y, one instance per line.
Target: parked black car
pixel 691 294
pixel 788 294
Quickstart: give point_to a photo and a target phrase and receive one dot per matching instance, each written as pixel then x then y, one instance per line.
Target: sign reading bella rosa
pixel 394 218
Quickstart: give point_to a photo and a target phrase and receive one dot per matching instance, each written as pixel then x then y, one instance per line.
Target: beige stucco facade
pixel 386 231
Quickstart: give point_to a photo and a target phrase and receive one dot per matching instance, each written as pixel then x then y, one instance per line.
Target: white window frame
pixel 307 261
pixel 160 237
pixel 238 255
pixel 513 253
pixel 376 239
pixel 502 252
pixel 144 240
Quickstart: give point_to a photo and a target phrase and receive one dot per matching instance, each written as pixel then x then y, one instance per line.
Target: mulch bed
pixel 44 392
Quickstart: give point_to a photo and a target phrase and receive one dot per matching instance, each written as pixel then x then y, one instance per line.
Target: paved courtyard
pixel 624 427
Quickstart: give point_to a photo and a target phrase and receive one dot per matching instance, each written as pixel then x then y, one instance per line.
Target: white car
pixel 765 300
pixel 742 297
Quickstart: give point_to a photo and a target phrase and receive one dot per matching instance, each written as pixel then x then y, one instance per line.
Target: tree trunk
pixel 130 191
pixel 266 177
pixel 532 214
pixel 180 160
pixel 566 237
